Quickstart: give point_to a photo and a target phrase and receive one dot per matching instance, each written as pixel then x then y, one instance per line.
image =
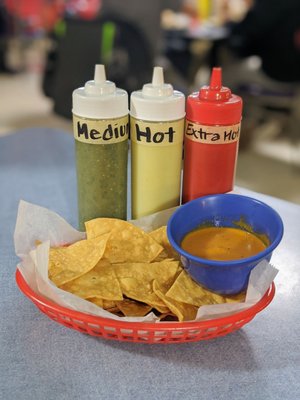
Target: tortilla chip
pixel 96 300
pixel 236 298
pixel 161 237
pixel 186 290
pixel 163 256
pixel 132 308
pixel 100 282
pixel 136 280
pixel 68 263
pixel 107 305
pixel 127 242
pixel 132 288
pixel 168 317
pixel 183 311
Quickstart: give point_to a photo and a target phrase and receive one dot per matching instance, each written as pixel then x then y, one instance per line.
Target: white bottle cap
pixel 100 99
pixel 157 101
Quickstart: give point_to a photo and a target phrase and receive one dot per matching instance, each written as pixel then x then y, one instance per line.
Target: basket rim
pixel 39 300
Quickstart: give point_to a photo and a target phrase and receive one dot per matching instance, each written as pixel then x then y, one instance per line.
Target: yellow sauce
pixel 222 244
pixel 155 167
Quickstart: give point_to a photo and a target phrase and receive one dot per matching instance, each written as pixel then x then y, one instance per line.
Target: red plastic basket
pixel 160 332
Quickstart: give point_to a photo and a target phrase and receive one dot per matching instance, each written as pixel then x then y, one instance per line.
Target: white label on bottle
pixel 156 133
pixel 212 134
pixel 103 131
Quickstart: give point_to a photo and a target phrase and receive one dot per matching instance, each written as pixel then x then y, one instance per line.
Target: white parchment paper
pixel 38 223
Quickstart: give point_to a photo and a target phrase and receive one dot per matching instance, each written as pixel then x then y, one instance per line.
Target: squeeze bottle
pixel 157 126
pixel 213 122
pixel 101 126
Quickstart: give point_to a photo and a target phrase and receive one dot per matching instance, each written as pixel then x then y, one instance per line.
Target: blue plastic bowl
pixel 224 277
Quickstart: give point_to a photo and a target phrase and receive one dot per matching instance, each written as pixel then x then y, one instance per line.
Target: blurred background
pixel 49 47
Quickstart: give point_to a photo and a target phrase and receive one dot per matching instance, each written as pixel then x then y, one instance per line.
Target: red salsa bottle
pixel 213 122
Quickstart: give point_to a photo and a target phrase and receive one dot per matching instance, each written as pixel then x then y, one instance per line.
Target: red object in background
pixel 43 14
pixel 24 9
pixel 85 9
pixel 211 139
pixel 36 14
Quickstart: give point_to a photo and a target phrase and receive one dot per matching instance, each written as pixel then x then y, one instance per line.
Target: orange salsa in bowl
pixel 222 243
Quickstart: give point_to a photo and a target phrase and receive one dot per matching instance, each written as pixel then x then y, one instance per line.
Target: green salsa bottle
pixel 100 124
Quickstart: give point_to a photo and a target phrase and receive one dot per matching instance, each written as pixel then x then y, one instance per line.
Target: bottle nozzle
pixel 216 79
pixel 158 76
pixel 158 87
pixel 100 75
pixel 215 91
pixel 100 86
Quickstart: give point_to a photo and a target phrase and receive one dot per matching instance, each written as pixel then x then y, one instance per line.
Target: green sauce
pixel 101 130
pixel 101 180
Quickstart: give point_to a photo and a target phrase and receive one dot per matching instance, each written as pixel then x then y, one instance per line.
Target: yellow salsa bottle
pixel 156 129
